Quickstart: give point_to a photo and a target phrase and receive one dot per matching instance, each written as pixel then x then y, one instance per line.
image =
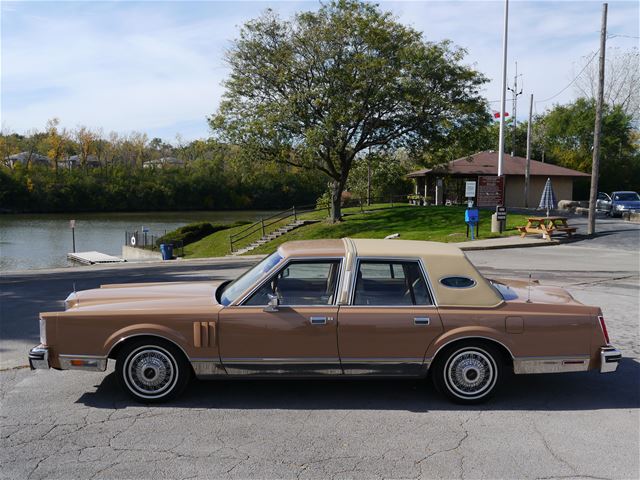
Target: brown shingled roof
pixel 486 163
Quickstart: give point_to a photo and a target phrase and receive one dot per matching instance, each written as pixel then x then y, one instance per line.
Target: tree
pixel 388 175
pixel 9 142
pixel 622 80
pixel 57 141
pixel 315 91
pixel 569 142
pixel 86 140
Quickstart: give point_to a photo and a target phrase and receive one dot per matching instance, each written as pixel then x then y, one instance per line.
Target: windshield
pixel 250 277
pixel 627 197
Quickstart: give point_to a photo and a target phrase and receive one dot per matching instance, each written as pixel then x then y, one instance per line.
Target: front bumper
pixel 39 358
pixel 609 359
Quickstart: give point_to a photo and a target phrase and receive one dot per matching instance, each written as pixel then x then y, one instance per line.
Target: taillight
pixel 604 329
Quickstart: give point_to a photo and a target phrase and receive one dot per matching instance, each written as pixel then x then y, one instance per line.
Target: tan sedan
pixel 349 307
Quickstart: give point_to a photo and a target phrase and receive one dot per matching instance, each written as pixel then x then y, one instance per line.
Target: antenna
pixel 516 94
pixel 529 289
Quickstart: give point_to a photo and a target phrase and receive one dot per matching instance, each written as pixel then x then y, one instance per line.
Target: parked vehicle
pixel 603 202
pixel 618 203
pixel 350 307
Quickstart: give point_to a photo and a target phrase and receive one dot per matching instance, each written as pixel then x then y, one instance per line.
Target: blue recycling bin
pixel 166 249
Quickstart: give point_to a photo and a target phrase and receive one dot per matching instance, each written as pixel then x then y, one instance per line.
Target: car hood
pixel 628 203
pixel 145 296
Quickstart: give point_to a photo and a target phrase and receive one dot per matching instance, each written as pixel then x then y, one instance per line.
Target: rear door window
pixel 391 283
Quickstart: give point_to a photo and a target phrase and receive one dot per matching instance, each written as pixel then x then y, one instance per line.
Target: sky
pixel 158 67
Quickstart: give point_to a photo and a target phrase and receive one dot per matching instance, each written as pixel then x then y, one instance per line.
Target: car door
pixel 390 320
pixel 297 337
pixel 603 202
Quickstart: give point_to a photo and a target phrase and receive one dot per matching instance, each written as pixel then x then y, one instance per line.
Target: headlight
pixel 619 207
pixel 43 331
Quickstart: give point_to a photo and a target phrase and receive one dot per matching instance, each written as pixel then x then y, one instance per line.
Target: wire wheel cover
pixel 150 371
pixel 470 373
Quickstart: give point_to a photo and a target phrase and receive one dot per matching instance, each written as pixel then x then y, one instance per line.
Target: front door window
pixel 300 283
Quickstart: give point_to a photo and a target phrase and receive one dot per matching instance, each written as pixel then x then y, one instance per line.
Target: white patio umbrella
pixel 548 200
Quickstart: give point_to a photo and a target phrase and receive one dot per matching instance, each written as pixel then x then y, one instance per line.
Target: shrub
pixel 195 231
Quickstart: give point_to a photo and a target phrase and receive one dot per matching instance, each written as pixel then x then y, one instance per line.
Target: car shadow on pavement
pixel 570 391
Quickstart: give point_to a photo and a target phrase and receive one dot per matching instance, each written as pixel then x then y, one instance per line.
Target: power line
pixel 622 36
pixel 572 81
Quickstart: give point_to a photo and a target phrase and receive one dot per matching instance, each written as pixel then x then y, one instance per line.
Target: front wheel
pixel 152 371
pixel 468 373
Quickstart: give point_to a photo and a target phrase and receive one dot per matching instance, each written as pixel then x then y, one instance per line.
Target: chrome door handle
pixel 318 320
pixel 421 320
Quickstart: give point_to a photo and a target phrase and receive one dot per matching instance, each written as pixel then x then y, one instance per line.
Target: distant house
pixel 445 183
pixel 75 161
pixel 22 158
pixel 163 162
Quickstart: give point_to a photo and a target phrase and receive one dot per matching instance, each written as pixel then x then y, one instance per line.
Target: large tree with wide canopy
pixel 317 90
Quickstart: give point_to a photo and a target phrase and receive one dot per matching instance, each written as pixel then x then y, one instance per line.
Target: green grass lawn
pixel 443 224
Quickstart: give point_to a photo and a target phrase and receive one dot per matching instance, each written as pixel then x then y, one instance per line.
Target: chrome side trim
pixel 387 361
pixel 410 367
pixel 281 360
pixel 526 365
pixel 299 366
pixel 207 368
pixel 93 363
pixel 609 359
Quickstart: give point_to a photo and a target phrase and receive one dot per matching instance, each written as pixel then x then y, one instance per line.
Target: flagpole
pixel 503 90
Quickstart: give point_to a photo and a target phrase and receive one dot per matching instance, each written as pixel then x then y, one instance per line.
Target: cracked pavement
pixel 583 425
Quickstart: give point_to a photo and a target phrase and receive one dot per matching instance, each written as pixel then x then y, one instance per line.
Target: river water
pixel 35 241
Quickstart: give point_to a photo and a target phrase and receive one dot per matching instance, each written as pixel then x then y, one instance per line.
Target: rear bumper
pixel 39 358
pixel 609 359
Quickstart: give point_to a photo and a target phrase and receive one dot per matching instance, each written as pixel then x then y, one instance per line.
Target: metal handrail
pixel 261 225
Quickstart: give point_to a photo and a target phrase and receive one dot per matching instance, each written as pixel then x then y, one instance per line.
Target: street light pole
pixel 503 90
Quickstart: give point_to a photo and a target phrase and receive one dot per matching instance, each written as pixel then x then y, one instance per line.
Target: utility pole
pixel 598 127
pixel 515 93
pixel 527 170
pixel 503 90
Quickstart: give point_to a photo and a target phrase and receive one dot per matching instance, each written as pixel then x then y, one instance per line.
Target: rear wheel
pixel 468 372
pixel 152 371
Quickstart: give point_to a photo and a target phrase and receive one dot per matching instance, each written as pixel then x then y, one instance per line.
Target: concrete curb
pixel 543 243
pixel 140 264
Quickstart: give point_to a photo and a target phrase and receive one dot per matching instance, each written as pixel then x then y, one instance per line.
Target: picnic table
pixel 547 226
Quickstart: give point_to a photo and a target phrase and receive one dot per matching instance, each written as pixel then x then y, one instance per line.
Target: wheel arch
pixel 507 355
pixel 117 346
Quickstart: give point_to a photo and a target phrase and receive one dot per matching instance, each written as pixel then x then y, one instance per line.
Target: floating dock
pixel 90 258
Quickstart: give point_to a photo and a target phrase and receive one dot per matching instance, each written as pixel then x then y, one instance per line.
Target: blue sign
pixel 471 215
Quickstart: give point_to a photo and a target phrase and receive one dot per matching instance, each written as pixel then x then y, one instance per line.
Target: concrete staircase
pixel 272 236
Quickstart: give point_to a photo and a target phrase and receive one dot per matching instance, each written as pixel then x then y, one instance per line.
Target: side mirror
pixel 272 306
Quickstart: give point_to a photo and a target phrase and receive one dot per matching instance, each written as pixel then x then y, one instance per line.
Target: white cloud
pixel 159 66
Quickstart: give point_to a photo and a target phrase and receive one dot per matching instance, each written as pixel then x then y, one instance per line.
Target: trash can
pixel 166 249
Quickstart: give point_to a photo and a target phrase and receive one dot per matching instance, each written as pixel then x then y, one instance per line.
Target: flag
pixel 497 114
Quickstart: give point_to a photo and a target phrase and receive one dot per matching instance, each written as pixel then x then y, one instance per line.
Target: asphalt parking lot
pixel 79 425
